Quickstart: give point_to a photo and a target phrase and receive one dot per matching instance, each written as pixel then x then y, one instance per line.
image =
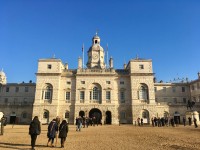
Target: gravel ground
pixel 108 137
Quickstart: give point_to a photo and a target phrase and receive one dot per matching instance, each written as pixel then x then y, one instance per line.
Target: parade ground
pixel 108 137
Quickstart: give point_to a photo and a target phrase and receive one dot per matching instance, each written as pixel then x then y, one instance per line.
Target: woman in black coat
pixel 63 130
pixel 34 130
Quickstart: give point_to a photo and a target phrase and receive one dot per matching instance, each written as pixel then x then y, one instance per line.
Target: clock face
pixel 95 56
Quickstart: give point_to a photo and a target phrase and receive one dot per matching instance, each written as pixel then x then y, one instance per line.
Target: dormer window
pixel 49 66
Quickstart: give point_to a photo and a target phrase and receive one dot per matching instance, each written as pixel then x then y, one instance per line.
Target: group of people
pixel 167 121
pixel 55 130
pixel 86 121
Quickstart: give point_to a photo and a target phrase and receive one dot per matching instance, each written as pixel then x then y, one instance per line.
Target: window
pixel 47 92
pixel 49 66
pixel 192 87
pixel 173 89
pixel 183 89
pixel 7 89
pixel 24 115
pixel 82 95
pixel 66 114
pixel 16 89
pixel 68 96
pixel 175 100
pixel 122 97
pixel 82 82
pixel 25 101
pixel 143 93
pixel 141 66
pixel 107 95
pixel 68 82
pixel 164 89
pixel 26 89
pixel 46 114
pixel 6 100
pixel 107 82
pixel 145 114
pixel 95 93
pixel 184 100
pixel 155 89
pixel 15 100
pixel 121 82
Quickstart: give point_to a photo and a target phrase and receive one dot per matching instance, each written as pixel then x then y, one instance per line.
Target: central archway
pixel 95 113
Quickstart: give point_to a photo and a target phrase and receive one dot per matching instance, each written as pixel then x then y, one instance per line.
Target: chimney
pixel 111 62
pixel 198 75
pixel 125 66
pixel 80 63
pixel 66 66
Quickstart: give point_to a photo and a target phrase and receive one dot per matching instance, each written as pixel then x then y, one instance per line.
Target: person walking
pixel 34 130
pixel 3 123
pixel 184 120
pixel 52 130
pixel 190 121
pixel 195 123
pixel 63 130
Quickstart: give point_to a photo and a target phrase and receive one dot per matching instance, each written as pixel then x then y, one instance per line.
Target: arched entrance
pixel 177 118
pixel 95 113
pixel 108 117
pixel 81 113
pixel 13 118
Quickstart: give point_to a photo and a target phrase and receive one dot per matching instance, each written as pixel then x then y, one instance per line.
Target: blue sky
pixel 166 31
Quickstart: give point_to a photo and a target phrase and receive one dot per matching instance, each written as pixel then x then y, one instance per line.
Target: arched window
pixel 67 114
pixel 145 114
pixel 95 93
pixel 47 92
pixel 24 115
pixel 143 92
pixel 46 114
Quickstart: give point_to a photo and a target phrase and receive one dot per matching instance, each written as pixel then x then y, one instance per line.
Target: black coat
pixel 35 128
pixel 63 130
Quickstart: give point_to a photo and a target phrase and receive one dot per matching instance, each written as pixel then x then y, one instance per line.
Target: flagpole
pixel 83 56
pixel 107 57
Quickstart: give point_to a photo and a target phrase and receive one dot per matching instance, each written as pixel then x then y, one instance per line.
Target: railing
pixel 103 71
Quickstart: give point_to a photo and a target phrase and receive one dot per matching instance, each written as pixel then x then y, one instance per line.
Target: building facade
pixel 16 100
pixel 111 95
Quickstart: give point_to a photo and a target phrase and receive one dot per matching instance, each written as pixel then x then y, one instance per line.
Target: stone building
pixel 110 94
pixel 16 100
pixel 99 90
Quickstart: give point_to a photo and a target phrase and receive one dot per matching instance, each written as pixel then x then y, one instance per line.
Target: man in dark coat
pixel 34 130
pixel 63 130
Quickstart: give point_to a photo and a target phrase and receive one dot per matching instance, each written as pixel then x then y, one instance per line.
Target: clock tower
pixel 96 54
